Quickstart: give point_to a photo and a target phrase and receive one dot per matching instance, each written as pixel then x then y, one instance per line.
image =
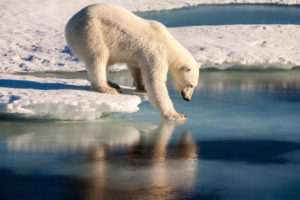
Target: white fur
pixel 102 35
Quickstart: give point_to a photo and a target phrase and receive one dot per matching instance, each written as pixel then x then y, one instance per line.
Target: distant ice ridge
pixel 67 99
pixel 32 33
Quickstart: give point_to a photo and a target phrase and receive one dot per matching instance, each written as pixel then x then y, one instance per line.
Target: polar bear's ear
pixel 185 68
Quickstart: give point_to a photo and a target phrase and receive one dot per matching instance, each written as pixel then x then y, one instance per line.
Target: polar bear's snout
pixel 184 97
pixel 187 93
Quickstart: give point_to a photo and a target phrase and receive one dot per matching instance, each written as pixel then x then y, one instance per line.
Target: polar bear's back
pixel 106 26
pixel 117 15
pixel 109 17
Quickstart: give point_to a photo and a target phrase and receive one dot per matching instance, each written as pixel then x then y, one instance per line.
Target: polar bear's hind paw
pixel 107 90
pixel 141 89
pixel 114 85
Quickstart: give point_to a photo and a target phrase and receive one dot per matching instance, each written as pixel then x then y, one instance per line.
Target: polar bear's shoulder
pixel 108 11
pixel 156 26
pixel 104 8
pixel 158 30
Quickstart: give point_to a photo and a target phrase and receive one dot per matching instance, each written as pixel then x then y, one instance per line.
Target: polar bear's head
pixel 186 79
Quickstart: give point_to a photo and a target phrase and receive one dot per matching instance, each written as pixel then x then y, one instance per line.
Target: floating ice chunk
pixel 69 99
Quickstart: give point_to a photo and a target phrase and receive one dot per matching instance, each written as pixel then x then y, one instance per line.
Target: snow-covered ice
pixel 151 5
pixel 32 39
pixel 32 35
pixel 68 99
pixel 247 45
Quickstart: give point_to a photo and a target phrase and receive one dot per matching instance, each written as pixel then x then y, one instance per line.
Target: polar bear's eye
pixel 186 69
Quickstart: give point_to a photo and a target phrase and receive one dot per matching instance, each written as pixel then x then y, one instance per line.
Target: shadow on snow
pixel 23 84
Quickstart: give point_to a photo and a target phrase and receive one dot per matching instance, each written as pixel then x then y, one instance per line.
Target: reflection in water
pixel 117 162
pixel 69 137
pixel 245 124
pixel 217 80
pixel 148 170
pixel 247 81
pixel 281 85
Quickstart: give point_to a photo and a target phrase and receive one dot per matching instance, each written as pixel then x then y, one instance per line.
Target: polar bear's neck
pixel 178 55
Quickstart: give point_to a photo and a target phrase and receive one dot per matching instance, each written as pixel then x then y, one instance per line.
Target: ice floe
pixel 252 46
pixel 32 35
pixel 67 99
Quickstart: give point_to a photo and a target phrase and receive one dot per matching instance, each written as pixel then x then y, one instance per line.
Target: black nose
pixel 183 96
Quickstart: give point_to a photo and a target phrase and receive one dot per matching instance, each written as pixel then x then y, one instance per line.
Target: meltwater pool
pixel 227 15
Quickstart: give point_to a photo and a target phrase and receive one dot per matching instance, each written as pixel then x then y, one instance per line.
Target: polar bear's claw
pixel 114 85
pixel 112 91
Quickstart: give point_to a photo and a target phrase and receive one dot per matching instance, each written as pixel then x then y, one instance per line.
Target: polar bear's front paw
pixel 174 116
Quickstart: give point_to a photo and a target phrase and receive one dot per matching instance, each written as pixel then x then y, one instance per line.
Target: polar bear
pixel 102 35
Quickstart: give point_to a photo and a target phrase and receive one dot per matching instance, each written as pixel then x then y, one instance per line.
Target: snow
pixel 32 39
pixel 67 99
pixel 276 46
pixel 32 34
pixel 151 5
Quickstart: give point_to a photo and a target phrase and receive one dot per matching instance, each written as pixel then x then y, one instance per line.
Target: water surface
pixel 241 140
pixel 226 15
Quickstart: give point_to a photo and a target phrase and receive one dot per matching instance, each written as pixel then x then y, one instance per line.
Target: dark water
pixel 227 14
pixel 241 141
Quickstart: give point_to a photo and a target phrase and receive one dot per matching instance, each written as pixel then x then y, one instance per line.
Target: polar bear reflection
pixel 123 161
pixel 149 169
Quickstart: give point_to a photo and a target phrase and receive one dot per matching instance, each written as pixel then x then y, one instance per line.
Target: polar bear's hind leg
pixel 137 77
pixel 96 69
